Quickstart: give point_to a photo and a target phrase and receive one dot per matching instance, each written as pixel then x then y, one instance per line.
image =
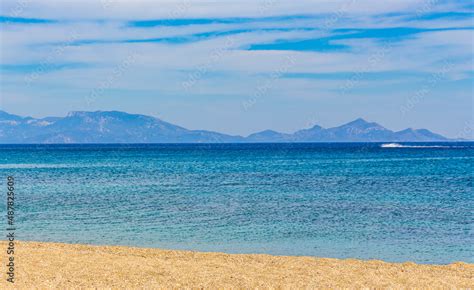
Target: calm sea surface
pixel 331 200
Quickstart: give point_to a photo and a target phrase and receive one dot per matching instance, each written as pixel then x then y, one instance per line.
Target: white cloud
pixel 149 9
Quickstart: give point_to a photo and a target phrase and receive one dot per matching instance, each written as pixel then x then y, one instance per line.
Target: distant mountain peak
pixel 122 127
pixel 7 116
pixel 360 122
pixel 316 127
pixel 268 131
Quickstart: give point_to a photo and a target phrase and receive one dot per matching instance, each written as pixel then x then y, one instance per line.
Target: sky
pixel 242 66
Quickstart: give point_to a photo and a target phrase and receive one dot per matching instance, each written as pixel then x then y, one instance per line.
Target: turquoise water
pixel 332 200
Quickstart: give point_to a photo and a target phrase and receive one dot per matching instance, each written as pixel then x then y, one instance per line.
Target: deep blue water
pixel 330 200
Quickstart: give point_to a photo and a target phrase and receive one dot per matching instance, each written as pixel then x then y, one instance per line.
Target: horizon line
pixel 245 143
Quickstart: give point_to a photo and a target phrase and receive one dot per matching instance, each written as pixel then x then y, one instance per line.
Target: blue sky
pixel 243 66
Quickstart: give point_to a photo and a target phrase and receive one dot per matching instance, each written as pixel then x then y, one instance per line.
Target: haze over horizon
pixel 243 66
pixel 308 125
pixel 110 127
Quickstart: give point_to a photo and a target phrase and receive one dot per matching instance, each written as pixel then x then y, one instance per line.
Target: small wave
pixel 391 145
pixel 397 145
pixel 43 165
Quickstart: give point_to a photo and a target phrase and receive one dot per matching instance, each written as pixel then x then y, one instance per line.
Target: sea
pixel 395 202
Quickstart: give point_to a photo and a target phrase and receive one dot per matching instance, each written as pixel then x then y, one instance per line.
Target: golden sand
pixel 54 265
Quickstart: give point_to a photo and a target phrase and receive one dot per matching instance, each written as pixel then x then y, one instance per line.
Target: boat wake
pixel 397 145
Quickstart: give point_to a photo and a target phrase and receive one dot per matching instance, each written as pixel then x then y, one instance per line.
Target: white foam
pixel 397 145
pixel 391 145
pixel 44 165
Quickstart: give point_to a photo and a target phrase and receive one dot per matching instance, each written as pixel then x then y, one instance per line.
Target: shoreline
pixel 58 265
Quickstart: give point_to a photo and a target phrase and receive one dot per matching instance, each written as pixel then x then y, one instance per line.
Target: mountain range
pixel 121 127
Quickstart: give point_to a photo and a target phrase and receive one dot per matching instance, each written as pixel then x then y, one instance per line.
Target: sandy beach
pixel 56 265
